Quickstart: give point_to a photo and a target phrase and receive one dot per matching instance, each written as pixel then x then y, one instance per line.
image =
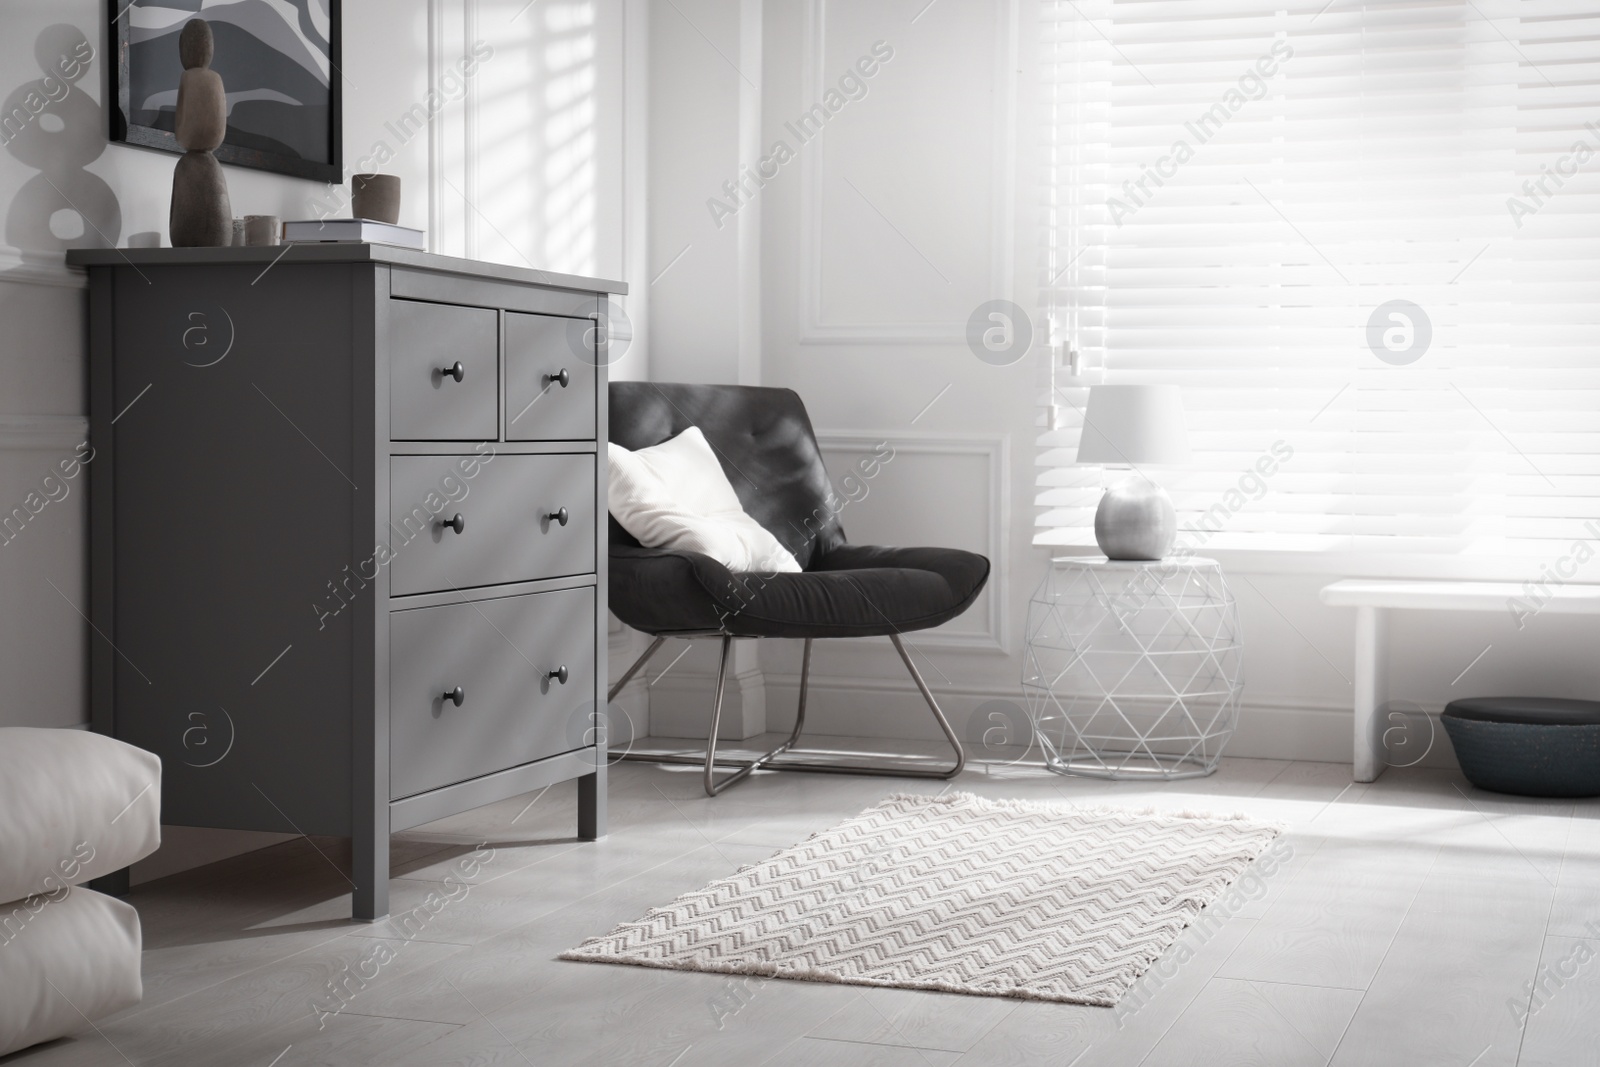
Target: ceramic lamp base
pixel 1135 520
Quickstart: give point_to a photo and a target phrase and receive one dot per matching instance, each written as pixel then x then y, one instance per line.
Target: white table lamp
pixel 1135 426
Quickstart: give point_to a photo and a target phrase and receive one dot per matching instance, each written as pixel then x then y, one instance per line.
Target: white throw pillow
pixel 73 806
pixel 674 495
pixel 85 944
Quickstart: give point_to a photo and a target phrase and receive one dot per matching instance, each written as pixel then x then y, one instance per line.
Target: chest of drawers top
pixel 341 252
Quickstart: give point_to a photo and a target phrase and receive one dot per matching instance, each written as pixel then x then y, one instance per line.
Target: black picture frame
pixel 328 167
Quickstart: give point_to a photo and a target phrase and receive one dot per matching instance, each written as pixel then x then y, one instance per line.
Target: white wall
pixel 881 237
pixel 878 240
pixel 705 280
pixel 848 276
pixel 526 165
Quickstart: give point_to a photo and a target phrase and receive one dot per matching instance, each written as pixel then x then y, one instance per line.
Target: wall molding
pixel 1270 727
pixel 814 329
pixel 635 76
pixel 452 131
pixel 996 450
pixel 469 135
pixel 42 433
pixel 435 18
pixel 40 268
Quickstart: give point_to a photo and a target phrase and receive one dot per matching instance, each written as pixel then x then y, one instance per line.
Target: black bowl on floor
pixel 1529 746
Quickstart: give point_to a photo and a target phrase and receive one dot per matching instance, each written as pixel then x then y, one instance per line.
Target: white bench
pixel 1373 599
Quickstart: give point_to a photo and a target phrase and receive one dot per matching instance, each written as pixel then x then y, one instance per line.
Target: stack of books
pixel 351 231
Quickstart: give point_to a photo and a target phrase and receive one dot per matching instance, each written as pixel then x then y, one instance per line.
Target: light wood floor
pixel 1405 930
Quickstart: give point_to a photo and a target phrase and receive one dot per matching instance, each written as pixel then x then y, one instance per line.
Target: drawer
pixel 507 530
pixel 540 350
pixel 427 404
pixel 500 653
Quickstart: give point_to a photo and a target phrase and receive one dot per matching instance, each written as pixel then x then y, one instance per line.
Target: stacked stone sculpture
pixel 201 215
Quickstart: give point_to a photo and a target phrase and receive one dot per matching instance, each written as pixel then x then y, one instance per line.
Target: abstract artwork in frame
pixel 279 60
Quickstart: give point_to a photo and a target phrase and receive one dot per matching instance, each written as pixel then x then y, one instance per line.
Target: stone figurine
pixel 201 215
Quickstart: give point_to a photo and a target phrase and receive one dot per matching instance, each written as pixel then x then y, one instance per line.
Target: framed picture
pixel 279 62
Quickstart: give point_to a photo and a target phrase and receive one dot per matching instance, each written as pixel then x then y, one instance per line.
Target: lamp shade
pixel 1131 425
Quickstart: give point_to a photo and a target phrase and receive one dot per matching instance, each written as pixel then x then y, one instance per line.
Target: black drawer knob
pixel 560 674
pixel 457 524
pixel 456 696
pixel 455 370
pixel 561 378
pixel 559 515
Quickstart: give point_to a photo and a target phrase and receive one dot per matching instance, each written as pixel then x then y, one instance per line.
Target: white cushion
pixel 674 495
pixel 85 944
pixel 73 806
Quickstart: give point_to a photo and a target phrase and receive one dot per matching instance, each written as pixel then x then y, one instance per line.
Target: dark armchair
pixel 768 451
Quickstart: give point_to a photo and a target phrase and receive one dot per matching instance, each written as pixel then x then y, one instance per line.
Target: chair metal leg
pixel 772 759
pixel 805 683
pixel 713 786
pixel 638 664
pixel 933 706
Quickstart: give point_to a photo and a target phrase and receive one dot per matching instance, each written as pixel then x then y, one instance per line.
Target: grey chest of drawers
pixel 347 510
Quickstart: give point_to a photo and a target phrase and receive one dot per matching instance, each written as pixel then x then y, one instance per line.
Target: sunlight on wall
pixel 536 177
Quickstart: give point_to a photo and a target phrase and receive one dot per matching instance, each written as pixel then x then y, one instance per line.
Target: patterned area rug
pixel 957 893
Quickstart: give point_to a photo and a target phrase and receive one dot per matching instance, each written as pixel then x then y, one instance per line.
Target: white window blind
pixel 1233 188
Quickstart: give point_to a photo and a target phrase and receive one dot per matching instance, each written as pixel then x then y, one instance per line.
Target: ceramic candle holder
pixel 376 197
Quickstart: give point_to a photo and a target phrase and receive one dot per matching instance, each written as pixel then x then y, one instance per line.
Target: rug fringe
pixel 808 974
pixel 1052 807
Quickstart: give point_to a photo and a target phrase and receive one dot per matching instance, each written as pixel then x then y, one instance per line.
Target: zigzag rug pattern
pixel 957 893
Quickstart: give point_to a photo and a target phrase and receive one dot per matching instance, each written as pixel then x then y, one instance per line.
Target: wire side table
pixel 1133 668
